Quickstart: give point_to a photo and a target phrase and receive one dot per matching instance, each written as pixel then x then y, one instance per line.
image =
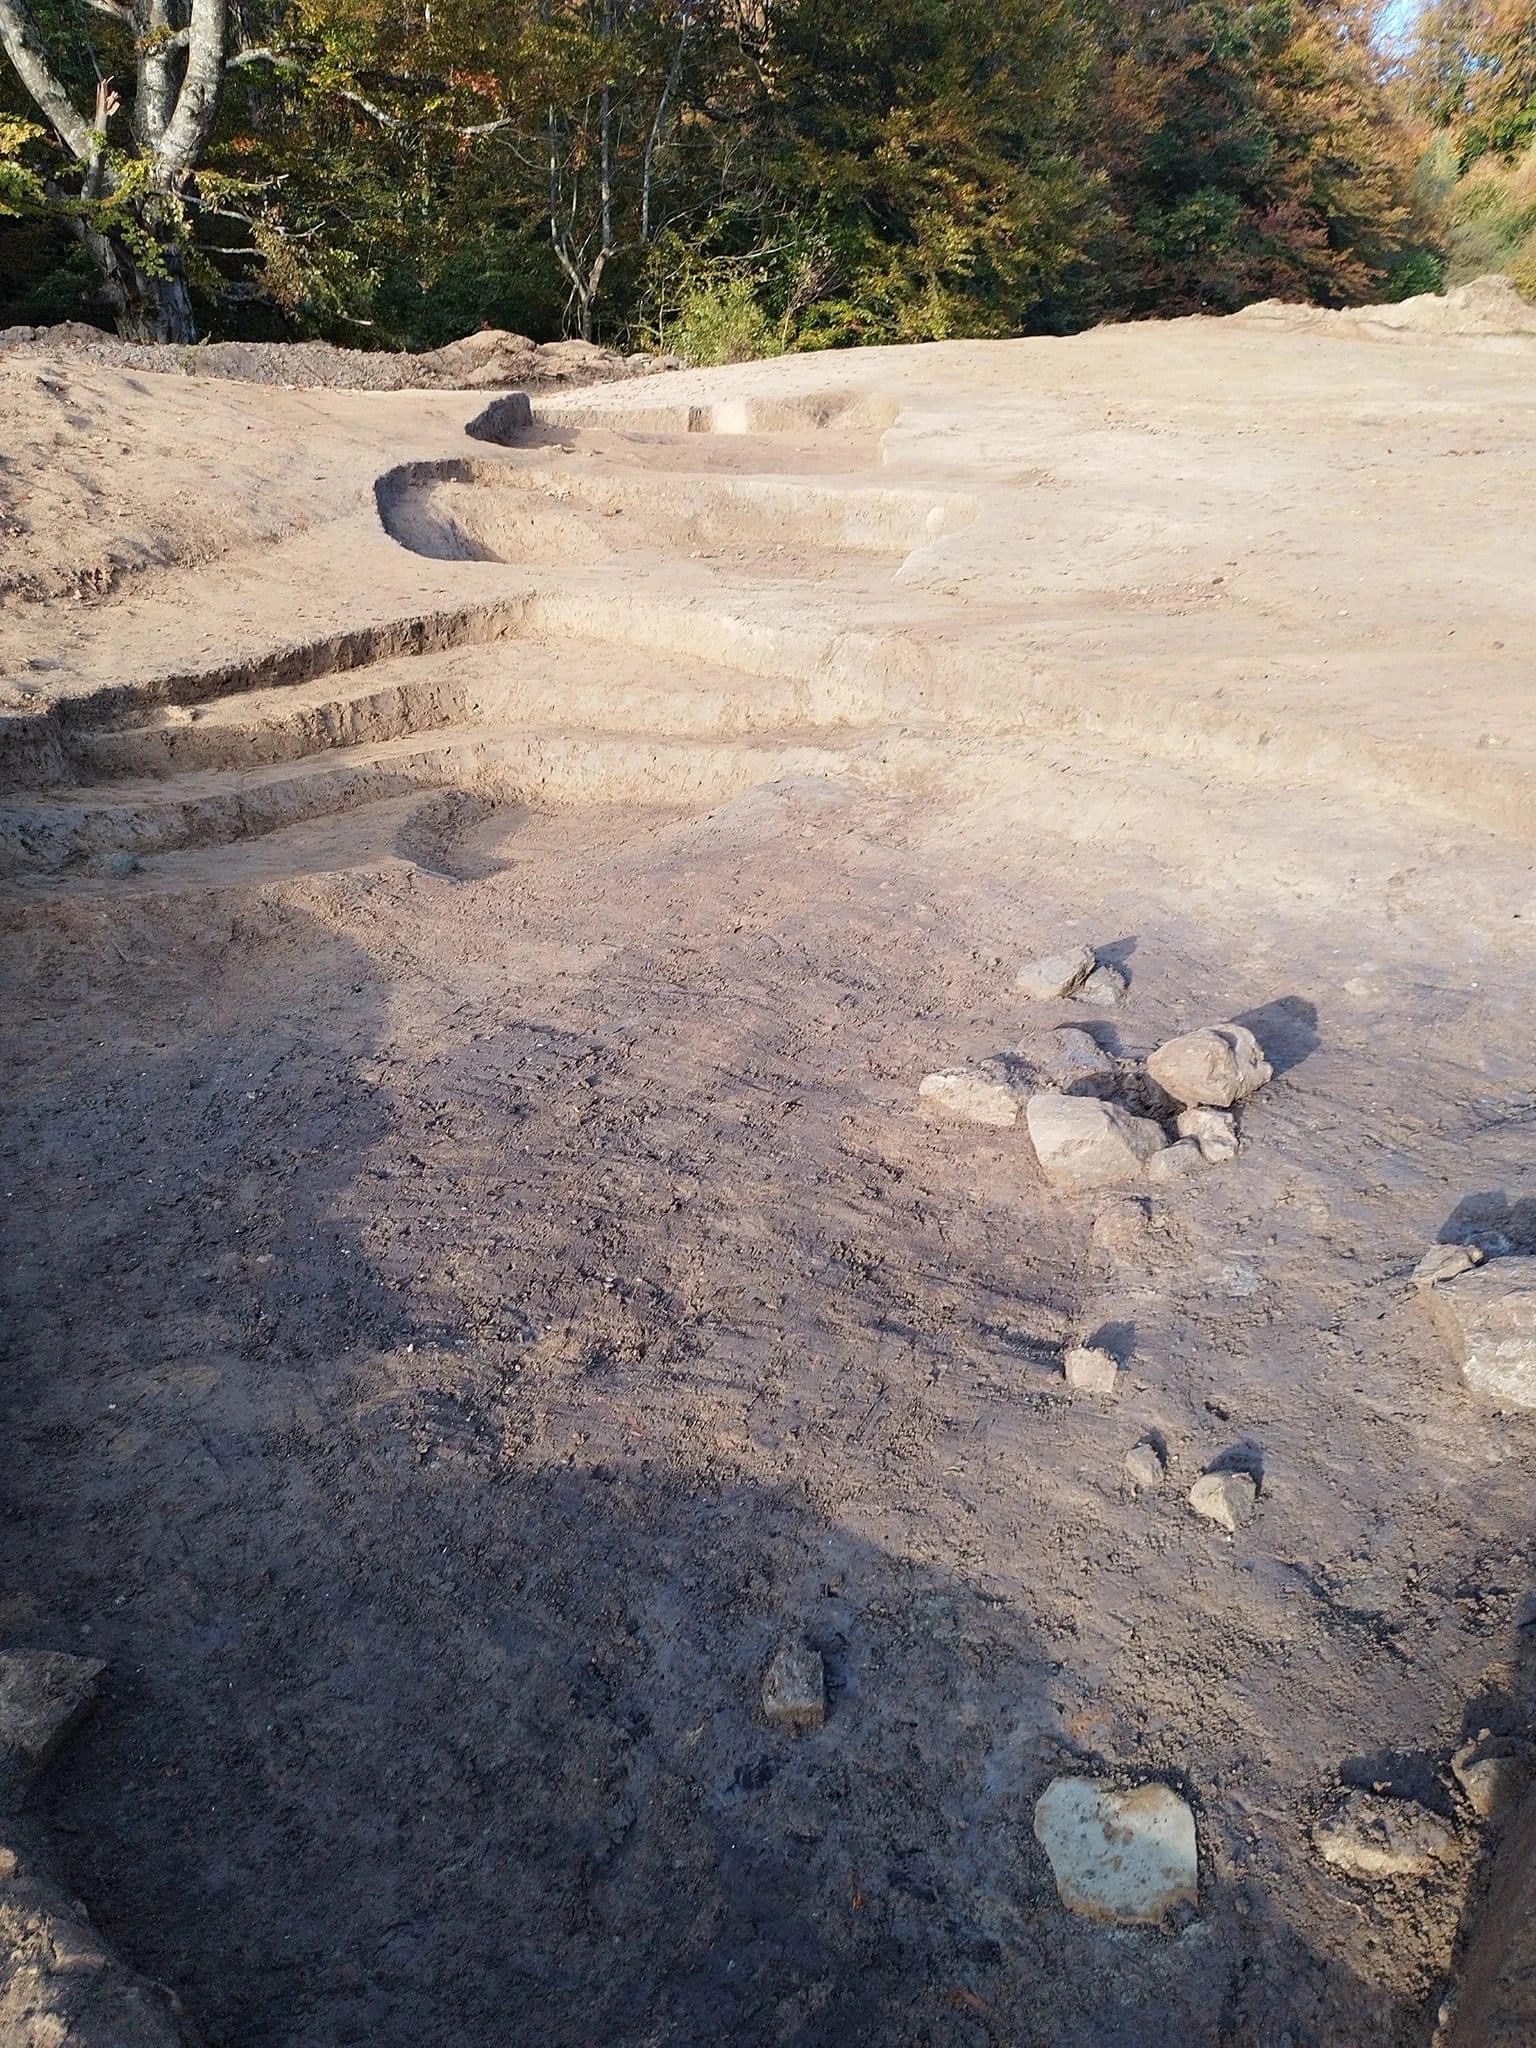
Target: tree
pixel 1251 151
pixel 130 206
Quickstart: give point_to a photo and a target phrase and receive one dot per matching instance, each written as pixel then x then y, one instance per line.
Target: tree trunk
pixel 144 307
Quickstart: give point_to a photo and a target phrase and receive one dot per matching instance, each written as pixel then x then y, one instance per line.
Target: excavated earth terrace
pixel 480 1278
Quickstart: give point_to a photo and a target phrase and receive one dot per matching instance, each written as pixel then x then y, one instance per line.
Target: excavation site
pixel 769 1193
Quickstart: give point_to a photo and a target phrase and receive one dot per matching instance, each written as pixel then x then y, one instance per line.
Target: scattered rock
pixel 1230 1499
pixel 1069 1061
pixel 1487 1316
pixel 1213 1130
pixel 44 1694
pixel 1491 1772
pixel 1218 1066
pixel 1090 1370
pixel 1145 1467
pixel 1177 1162
pixel 1128 1857
pixel 1045 981
pixel 795 1688
pixel 973 1095
pixel 1086 1143
pixel 1105 986
pixel 1371 1837
pixel 1444 1262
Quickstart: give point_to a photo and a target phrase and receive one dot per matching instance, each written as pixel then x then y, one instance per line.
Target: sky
pixel 1399 17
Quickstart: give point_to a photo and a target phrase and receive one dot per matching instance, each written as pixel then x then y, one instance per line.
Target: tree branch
pixel 25 50
pixel 197 104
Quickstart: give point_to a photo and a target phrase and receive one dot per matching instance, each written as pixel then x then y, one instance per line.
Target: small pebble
pixel 795 1688
pixel 1090 1370
pixel 1229 1499
pixel 1057 975
pixel 1144 1467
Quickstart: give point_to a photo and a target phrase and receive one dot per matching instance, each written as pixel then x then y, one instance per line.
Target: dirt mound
pixel 490 360
pixel 1488 306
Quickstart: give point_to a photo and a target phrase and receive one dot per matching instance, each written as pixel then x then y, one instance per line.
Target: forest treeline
pixel 726 178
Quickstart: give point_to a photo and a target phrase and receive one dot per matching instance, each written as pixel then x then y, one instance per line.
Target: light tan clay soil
pixel 478 1280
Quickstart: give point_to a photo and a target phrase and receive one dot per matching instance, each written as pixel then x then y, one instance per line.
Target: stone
pixel 795 1688
pixel 1105 986
pixel 1216 1067
pixel 1085 1143
pixel 1371 1837
pixel 121 865
pixel 1144 1466
pixel 1487 1317
pixel 1229 1499
pixel 1069 1062
pixel 1213 1130
pixel 1129 1857
pixel 1444 1262
pixel 44 1695
pixel 971 1095
pixel 1177 1162
pixel 1491 1772
pixel 1090 1370
pixel 1047 980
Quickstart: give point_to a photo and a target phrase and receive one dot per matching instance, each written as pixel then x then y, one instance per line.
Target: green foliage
pixel 727 178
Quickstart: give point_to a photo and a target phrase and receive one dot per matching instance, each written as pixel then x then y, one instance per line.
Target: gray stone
pixel 1124 1856
pixel 1090 1370
pixel 1218 1066
pixel 1047 980
pixel 1177 1162
pixel 1105 986
pixel 1213 1130
pixel 971 1095
pixel 1492 1773
pixel 1370 1837
pixel 121 865
pixel 1229 1499
pixel 1144 1467
pixel 1487 1317
pixel 795 1688
pixel 1444 1262
pixel 1069 1062
pixel 1082 1142
pixel 44 1694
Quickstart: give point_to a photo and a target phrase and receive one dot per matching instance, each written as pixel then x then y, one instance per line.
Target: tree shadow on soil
pixel 418 1734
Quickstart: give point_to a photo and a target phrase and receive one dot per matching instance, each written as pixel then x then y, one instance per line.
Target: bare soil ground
pixel 477 1279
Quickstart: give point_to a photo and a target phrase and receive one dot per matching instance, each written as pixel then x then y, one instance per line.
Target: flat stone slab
pixel 1124 1856
pixel 1487 1317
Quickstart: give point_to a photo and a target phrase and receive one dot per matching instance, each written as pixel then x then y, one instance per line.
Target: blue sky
pixel 1399 16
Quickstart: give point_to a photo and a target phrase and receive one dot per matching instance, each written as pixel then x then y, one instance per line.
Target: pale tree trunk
pixel 179 76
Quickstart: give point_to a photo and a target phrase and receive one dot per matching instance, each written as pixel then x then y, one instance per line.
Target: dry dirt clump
pixel 491 360
pixel 1488 308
